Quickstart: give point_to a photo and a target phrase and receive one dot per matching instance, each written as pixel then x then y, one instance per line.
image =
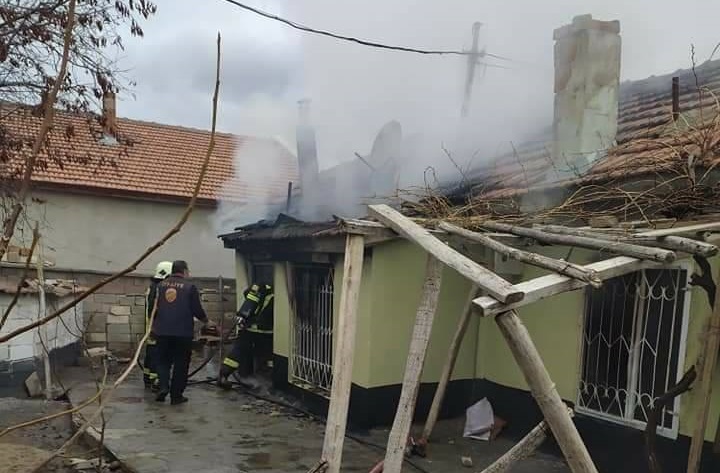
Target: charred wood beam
pixel 663 401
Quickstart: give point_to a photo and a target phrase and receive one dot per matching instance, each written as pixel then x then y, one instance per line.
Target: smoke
pixel 356 90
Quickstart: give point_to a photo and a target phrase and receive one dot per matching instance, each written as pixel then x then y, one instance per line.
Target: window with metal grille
pixel 312 333
pixel 634 347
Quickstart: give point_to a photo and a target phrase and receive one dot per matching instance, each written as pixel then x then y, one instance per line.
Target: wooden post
pixel 344 353
pixel 43 331
pixel 449 364
pixel 496 286
pixel 398 438
pixel 704 390
pixel 545 393
pixel 627 249
pixel 559 266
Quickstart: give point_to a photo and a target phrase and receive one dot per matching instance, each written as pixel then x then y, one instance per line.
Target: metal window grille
pixel 311 361
pixel 634 347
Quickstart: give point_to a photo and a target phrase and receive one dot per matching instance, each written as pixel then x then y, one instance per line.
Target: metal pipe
pixel 289 197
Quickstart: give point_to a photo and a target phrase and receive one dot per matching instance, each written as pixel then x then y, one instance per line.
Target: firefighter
pixel 150 377
pixel 255 323
pixel 178 303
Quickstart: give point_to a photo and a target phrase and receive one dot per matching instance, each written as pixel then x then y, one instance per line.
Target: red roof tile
pixel 151 159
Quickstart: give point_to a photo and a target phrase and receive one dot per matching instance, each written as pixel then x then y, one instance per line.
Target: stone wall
pixel 114 316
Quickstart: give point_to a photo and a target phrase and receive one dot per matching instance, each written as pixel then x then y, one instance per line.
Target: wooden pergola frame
pixel 634 252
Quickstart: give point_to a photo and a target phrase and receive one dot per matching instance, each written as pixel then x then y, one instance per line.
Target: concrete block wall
pixel 115 315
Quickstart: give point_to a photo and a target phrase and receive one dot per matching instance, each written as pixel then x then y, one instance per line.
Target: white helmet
pixel 163 269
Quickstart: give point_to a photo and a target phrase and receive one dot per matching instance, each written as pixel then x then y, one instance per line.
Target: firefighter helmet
pixel 163 269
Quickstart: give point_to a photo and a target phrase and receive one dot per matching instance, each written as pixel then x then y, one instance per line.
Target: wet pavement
pixel 230 431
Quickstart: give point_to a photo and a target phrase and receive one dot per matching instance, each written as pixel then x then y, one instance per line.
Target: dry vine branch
pixel 23 277
pixel 49 115
pixel 151 249
pixel 131 365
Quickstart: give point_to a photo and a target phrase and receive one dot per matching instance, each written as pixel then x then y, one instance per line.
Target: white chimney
pixel 587 83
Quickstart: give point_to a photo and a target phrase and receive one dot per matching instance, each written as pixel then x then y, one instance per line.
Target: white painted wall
pixel 86 232
pixel 60 333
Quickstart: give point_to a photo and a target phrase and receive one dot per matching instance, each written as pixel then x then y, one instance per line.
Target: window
pixel 634 346
pixel 312 333
pixel 262 273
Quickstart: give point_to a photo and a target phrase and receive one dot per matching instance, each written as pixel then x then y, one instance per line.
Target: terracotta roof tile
pixel 647 141
pixel 151 159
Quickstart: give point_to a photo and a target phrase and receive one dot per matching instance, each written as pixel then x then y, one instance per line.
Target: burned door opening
pixel 312 332
pixel 634 341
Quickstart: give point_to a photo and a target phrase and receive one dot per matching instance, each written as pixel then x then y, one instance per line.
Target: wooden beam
pixel 344 354
pixel 675 243
pixel 452 355
pixel 397 440
pixel 479 275
pixel 545 393
pixel 703 392
pixel 700 227
pixel 563 267
pixel 552 284
pixel 626 249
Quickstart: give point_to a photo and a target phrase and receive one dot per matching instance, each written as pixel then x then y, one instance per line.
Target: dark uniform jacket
pixel 150 298
pixel 178 303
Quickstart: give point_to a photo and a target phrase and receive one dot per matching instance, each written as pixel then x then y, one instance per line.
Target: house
pixel 614 150
pixel 105 190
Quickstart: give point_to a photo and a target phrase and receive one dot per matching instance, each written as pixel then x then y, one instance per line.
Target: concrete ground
pixel 222 432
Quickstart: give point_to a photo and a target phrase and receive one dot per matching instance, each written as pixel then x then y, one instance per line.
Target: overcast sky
pixel 267 67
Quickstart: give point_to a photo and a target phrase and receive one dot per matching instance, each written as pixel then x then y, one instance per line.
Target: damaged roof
pixel 282 228
pixel 143 159
pixel 647 140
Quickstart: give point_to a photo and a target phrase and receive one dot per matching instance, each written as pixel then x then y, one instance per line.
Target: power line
pixel 363 42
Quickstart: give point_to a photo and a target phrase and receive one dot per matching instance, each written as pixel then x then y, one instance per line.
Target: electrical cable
pixel 363 42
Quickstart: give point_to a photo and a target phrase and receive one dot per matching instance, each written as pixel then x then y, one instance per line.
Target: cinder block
pixel 120 310
pixel 96 322
pixel 126 300
pixel 96 337
pixel 118 319
pixel 138 310
pixel 107 298
pixel 140 300
pixel 209 297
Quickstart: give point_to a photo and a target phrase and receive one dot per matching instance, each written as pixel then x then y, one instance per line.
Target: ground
pixel 222 432
pixel 21 449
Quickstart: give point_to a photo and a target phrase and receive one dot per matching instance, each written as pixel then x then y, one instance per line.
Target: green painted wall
pixel 281 312
pixel 397 278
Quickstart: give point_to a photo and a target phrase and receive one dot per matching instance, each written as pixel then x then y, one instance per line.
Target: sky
pixel 267 67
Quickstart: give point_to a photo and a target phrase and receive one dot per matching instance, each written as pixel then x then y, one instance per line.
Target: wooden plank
pixel 344 354
pixel 703 392
pixel 479 275
pixel 552 284
pixel 562 267
pixel 626 249
pixel 545 393
pixel 700 227
pixel 675 243
pixel 397 440
pixel 449 364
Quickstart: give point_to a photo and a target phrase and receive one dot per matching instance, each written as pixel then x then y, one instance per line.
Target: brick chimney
pixel 587 83
pixel 109 115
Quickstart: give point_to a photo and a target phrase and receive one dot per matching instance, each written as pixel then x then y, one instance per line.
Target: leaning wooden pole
pixel 397 440
pixel 559 266
pixel 344 354
pixel 704 390
pixel 452 355
pixel 545 394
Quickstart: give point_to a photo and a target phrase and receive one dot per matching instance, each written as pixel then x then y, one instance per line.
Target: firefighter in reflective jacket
pixel 255 320
pixel 150 377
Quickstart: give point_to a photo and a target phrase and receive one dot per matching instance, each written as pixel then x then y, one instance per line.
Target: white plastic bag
pixel 479 419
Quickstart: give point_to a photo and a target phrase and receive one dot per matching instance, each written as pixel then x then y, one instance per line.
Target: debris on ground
pixel 466 462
